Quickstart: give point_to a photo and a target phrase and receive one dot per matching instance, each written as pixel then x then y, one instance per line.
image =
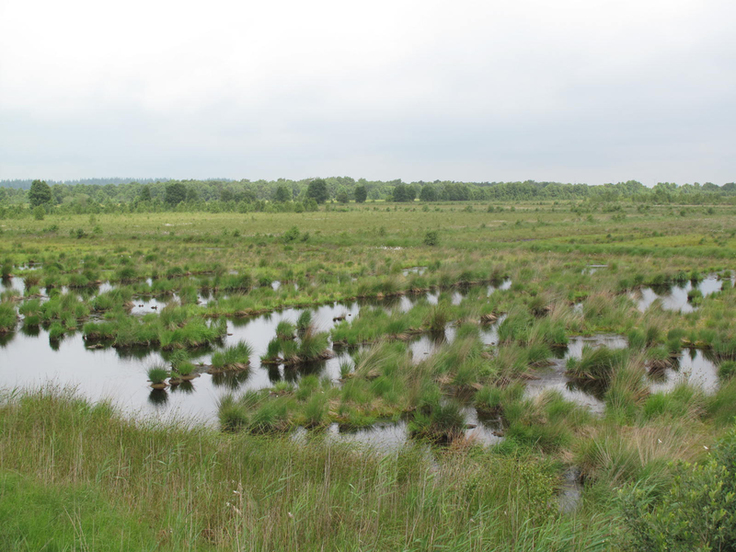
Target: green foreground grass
pixel 88 479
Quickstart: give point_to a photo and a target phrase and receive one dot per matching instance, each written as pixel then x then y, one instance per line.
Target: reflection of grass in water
pixel 158 397
pixel 230 379
pixel 186 387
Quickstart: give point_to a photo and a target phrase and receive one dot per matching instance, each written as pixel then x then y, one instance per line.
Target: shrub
pixel 292 234
pixel 432 238
pixel 697 513
pixel 8 318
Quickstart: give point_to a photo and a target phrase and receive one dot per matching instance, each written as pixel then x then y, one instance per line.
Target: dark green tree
pixel 176 192
pixel 192 195
pixel 39 194
pixel 404 192
pixel 317 190
pixel 428 193
pixel 227 195
pixel 145 194
pixel 282 194
pixel 361 194
pixel 342 195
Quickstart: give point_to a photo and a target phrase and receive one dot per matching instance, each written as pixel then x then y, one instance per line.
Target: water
pixel 506 284
pixel 674 298
pixel 571 491
pixel 593 268
pixel 692 367
pixel 414 270
pixel 389 436
pixel 120 375
pixel 554 376
pixel 29 359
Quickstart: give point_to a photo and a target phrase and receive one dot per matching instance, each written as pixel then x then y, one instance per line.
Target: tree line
pixel 307 194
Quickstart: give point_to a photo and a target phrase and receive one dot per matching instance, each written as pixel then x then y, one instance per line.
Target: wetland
pixel 339 373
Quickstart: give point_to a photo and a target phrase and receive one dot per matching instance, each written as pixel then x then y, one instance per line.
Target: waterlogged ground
pixel 30 359
pixel 675 298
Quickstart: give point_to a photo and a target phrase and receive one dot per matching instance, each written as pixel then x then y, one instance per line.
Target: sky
pixel 587 91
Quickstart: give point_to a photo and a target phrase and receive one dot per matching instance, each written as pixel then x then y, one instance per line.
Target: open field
pixel 421 376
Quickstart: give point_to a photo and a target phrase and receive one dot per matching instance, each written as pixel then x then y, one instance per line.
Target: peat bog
pixel 530 378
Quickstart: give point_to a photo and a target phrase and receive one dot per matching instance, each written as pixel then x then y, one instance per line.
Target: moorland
pixel 510 374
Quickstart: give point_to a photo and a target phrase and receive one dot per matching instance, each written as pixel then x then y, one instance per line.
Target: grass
pixel 597 363
pixel 157 374
pixel 8 317
pixel 236 357
pixel 181 479
pixel 213 493
pixel 70 516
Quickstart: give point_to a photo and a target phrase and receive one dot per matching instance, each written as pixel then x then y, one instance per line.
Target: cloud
pixel 572 90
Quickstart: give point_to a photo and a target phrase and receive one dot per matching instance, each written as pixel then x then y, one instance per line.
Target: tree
pixel 404 192
pixel 176 192
pixel 145 194
pixel 361 194
pixel 282 194
pixel 317 190
pixel 192 195
pixel 227 195
pixel 39 194
pixel 428 193
pixel 342 195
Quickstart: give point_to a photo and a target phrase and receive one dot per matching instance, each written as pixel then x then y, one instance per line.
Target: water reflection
pixel 158 397
pixel 28 357
pixel 675 297
pixel 186 387
pixel 692 367
pixel 231 380
pixel 586 393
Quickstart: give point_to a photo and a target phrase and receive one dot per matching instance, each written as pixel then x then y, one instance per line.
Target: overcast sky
pixel 572 90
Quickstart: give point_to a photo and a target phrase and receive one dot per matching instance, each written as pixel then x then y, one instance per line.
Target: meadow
pixel 560 373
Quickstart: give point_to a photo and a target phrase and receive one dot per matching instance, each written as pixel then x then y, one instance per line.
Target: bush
pixel 292 234
pixel 432 238
pixel 697 513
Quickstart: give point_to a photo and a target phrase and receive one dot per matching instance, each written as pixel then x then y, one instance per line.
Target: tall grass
pixel 196 490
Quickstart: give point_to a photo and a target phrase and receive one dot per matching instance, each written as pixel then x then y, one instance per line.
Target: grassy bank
pixel 171 487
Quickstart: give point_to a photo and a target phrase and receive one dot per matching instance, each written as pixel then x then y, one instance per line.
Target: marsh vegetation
pixel 357 387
